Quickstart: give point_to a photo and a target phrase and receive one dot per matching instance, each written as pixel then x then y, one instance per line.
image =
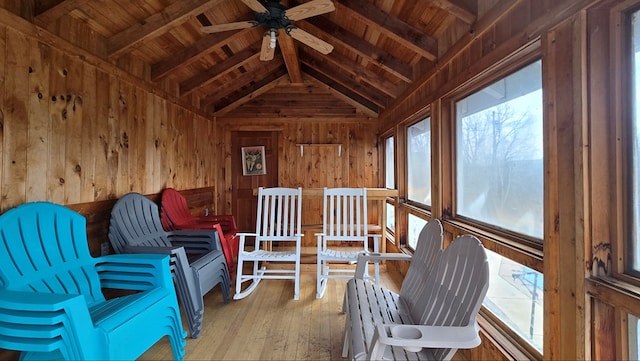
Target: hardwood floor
pixel 270 325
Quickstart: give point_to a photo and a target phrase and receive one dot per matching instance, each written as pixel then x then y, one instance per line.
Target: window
pixel 634 141
pixel 419 162
pixel 390 180
pixel 499 161
pixel 415 226
pixel 389 164
pixel 515 296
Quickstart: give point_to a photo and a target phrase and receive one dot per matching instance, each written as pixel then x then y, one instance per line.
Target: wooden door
pixel 245 203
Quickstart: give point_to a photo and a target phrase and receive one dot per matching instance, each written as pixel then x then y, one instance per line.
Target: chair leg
pixel 255 278
pixel 323 273
pixel 296 289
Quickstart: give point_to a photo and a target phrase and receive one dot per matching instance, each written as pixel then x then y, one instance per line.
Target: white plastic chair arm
pixel 365 258
pixel 415 337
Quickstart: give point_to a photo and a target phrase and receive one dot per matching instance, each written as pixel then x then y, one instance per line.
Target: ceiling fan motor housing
pixel 275 17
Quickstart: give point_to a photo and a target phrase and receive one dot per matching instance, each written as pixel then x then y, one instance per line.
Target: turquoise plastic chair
pixel 51 301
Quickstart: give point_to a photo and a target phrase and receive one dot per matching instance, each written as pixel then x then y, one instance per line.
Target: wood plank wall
pixel 77 130
pixel 320 166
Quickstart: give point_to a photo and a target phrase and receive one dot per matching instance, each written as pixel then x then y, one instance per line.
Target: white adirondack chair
pixel 278 220
pixel 345 221
pixel 435 312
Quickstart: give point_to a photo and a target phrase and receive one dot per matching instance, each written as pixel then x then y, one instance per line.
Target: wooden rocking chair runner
pixel 51 303
pixel 435 312
pixel 345 221
pixel 175 215
pixel 278 220
pixel 197 261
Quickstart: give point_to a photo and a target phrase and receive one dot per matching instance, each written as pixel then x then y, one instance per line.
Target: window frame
pixel 522 249
pixel 427 209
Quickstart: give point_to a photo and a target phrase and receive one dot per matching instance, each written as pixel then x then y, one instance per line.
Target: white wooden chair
pixel 345 221
pixel 278 220
pixel 435 313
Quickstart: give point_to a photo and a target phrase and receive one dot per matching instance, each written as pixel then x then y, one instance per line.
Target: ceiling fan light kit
pixel 274 16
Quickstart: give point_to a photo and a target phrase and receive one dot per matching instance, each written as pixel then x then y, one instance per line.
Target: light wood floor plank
pixel 269 324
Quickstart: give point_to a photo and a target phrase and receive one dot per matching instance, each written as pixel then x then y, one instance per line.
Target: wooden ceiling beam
pixel 341 81
pixel 360 103
pixel 264 85
pixel 211 74
pixel 392 27
pixel 290 55
pixel 456 10
pixel 195 51
pixel 337 35
pixel 156 24
pixel 238 83
pixel 336 86
pixel 50 11
pixel 358 71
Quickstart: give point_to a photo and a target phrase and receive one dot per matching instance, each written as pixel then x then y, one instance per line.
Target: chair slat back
pixel 459 281
pixel 279 213
pixel 44 248
pixel 135 221
pixel 428 250
pixel 345 214
pixel 175 210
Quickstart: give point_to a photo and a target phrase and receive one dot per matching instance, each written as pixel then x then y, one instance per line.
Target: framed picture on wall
pixel 253 161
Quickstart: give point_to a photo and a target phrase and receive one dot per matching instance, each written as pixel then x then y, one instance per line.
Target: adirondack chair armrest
pixel 12 302
pixel 135 271
pixel 415 337
pixel 196 238
pixel 27 314
pixel 365 258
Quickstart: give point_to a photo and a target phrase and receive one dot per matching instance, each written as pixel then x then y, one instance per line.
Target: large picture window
pixel 419 162
pixel 499 174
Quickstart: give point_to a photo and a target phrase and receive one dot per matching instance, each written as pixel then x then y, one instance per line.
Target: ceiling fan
pixel 274 16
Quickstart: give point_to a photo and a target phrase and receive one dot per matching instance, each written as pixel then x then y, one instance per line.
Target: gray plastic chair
pixel 197 260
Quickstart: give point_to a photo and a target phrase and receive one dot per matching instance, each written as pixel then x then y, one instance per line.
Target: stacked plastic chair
pixel 175 215
pixel 197 261
pixel 51 302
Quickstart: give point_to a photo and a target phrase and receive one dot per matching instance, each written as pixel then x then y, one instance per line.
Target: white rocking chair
pixel 278 220
pixel 345 220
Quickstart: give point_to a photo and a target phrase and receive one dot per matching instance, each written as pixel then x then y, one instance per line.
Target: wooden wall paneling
pixel 15 127
pixel 604 329
pixel 604 211
pixel 124 108
pixel 138 142
pixel 38 121
pixel 100 149
pixel 3 109
pixel 151 143
pixel 72 117
pixel 57 127
pixel 89 134
pixel 113 136
pixel 563 80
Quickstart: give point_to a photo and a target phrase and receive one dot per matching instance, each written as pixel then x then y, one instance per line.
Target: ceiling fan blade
pixel 228 26
pixel 255 5
pixel 312 8
pixel 310 40
pixel 266 52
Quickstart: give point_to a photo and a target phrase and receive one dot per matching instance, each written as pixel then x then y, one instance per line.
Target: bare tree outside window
pixel 499 160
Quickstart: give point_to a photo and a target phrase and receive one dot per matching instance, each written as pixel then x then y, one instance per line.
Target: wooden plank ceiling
pixel 380 48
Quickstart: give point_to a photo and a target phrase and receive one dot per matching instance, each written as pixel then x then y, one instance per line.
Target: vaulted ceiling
pixel 380 47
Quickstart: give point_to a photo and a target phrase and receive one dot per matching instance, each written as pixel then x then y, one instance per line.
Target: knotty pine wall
pixel 319 166
pixel 75 129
